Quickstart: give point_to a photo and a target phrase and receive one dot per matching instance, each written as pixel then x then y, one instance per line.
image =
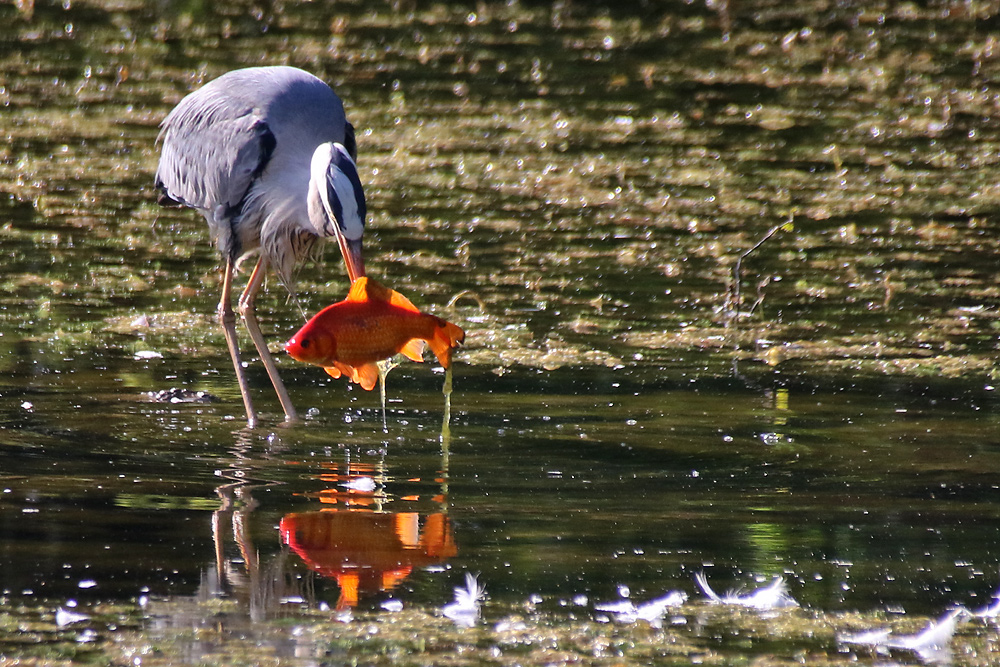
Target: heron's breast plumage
pixel 275 218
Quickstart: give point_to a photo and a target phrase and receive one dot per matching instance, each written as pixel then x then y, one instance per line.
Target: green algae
pixel 210 632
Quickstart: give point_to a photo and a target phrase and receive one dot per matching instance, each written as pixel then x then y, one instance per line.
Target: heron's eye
pixel 305 344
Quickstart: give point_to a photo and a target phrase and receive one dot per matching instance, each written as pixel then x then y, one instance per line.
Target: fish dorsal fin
pixel 369 289
pixel 413 350
pixel 400 301
pixel 359 289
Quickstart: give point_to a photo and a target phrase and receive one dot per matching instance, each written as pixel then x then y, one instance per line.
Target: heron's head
pixel 337 203
pixel 312 345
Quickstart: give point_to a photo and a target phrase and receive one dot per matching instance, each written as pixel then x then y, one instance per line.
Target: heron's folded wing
pixel 212 152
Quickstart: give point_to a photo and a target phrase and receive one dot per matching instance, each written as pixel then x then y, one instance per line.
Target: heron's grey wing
pixel 350 142
pixel 212 152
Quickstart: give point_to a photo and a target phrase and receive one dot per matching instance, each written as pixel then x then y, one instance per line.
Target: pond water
pixel 573 184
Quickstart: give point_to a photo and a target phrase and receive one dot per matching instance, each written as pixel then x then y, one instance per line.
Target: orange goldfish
pixel 371 324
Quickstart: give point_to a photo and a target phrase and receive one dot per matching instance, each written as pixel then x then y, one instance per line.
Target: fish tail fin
pixel 447 337
pixel 413 349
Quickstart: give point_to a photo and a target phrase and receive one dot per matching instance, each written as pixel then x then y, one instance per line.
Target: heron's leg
pixel 228 319
pixel 246 307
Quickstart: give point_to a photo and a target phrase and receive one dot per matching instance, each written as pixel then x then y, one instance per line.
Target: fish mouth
pixel 293 349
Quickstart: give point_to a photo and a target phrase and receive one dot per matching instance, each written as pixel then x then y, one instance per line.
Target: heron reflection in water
pixel 267 156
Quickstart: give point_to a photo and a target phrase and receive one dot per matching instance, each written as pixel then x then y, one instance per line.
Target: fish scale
pixel 364 333
pixel 373 323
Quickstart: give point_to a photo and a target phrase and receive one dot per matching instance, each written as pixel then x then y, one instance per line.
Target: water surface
pixel 588 177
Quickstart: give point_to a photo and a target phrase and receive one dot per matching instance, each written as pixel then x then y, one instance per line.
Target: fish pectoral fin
pixel 366 376
pixel 342 369
pixel 413 349
pixel 332 371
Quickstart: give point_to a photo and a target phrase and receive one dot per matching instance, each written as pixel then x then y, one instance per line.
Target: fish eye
pixel 305 343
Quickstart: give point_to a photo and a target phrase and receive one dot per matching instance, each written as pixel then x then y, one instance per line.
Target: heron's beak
pixel 355 263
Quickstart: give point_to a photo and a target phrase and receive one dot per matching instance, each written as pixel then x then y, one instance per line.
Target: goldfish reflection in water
pixel 368 552
pixel 366 549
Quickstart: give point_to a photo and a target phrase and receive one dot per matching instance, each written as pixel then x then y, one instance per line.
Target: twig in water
pixel 470 295
pixel 734 299
pixel 446 426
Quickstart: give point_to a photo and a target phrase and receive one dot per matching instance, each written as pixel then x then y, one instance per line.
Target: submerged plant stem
pixel 384 367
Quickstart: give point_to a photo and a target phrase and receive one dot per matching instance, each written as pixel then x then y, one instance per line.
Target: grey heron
pixel 267 156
